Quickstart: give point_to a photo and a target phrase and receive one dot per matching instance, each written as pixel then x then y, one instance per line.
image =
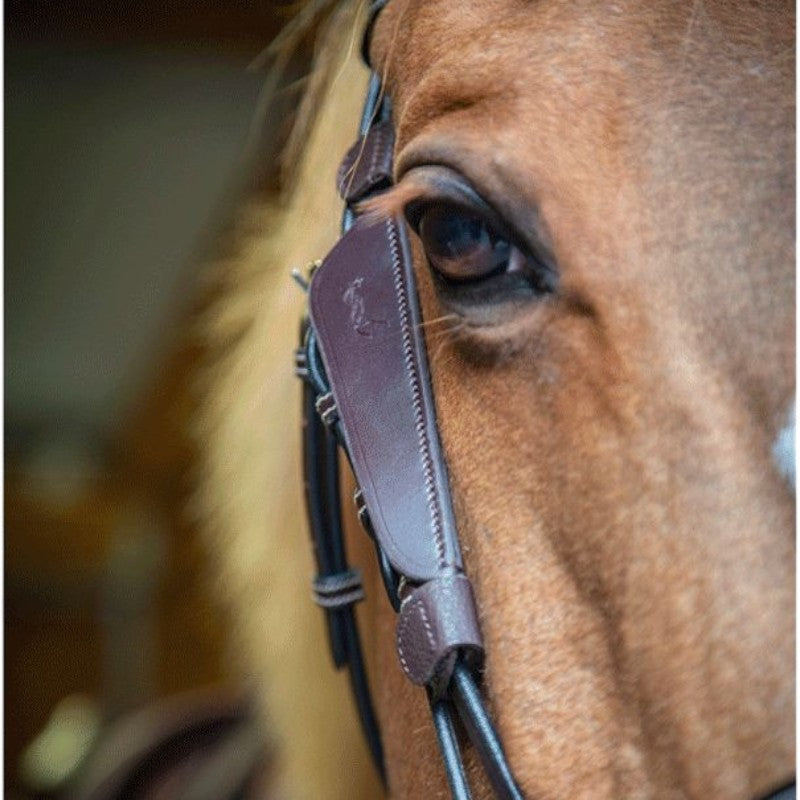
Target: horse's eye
pixel 461 245
pixel 476 258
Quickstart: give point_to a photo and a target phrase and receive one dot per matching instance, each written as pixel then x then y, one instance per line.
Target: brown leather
pixel 201 746
pixel 367 164
pixel 435 620
pixel 365 323
pixel 364 310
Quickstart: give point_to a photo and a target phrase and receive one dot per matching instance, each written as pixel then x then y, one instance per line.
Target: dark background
pixel 132 130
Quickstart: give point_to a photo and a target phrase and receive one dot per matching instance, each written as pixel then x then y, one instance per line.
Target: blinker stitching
pixel 414 381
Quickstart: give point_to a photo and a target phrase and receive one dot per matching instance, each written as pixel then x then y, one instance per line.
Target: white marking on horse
pixel 783 450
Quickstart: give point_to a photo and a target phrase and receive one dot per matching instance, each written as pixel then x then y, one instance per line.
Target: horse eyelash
pixel 444 319
pixel 393 201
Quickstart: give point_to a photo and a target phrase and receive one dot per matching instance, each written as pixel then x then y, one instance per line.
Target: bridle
pixel 366 390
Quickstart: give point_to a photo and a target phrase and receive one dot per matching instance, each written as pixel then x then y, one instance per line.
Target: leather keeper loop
pixel 339 590
pixel 326 408
pixel 367 165
pixel 435 620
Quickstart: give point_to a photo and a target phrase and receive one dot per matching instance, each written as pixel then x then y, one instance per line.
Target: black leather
pixel 321 470
pixel 482 734
pixel 442 713
pixel 375 8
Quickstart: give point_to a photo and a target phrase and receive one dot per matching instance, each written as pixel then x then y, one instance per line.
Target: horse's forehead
pixel 437 24
pixel 635 79
pixel 486 42
pixel 654 139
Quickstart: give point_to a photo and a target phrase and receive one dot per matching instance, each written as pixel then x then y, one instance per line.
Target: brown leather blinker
pixel 364 309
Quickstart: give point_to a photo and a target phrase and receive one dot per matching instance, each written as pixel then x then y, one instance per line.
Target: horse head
pixel 602 204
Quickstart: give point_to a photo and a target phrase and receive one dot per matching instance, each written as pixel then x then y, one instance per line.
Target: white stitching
pixel 405 622
pixel 414 380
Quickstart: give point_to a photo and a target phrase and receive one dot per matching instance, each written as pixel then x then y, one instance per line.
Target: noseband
pixel 367 390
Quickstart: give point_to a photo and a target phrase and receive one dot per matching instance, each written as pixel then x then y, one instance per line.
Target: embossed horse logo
pixel 359 320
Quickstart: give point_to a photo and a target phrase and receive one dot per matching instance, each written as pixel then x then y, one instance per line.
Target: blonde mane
pixel 250 488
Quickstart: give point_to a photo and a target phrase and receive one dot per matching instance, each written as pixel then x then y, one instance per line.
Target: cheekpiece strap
pixel 375 8
pixel 367 166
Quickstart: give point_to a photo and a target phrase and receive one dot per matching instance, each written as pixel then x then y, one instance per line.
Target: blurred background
pixel 132 130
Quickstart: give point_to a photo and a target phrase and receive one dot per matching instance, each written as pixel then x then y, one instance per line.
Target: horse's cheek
pixel 521 421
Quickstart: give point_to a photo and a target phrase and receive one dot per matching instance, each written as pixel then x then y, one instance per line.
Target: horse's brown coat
pixel 630 540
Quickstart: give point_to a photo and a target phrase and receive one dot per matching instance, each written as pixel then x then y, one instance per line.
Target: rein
pixel 366 389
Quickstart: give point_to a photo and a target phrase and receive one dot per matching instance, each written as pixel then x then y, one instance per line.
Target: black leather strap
pixel 323 505
pixel 442 713
pixel 375 9
pixel 468 701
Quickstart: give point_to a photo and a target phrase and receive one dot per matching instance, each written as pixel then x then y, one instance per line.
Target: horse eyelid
pixel 424 185
pixel 440 184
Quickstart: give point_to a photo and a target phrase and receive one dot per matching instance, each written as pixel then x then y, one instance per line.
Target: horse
pixel 600 198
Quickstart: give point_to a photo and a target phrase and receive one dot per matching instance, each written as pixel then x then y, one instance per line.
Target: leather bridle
pixel 366 390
